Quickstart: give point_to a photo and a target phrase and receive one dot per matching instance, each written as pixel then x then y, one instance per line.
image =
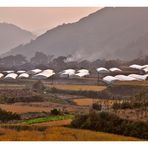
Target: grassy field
pixel 78 87
pixel 46 119
pixel 60 134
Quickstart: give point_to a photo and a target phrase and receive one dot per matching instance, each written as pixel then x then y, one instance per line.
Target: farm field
pixel 59 133
pixel 38 124
pixel 78 87
pixel 18 108
pixel 90 101
pixel 21 108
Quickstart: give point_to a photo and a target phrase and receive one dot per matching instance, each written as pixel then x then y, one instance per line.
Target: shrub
pixel 55 111
pixel 97 106
pixel 111 123
pixel 7 116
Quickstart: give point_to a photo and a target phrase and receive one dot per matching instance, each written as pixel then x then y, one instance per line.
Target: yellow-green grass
pixel 60 134
pixel 78 87
pixel 46 119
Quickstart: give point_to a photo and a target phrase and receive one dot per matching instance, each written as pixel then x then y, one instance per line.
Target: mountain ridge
pixel 11 36
pixel 99 35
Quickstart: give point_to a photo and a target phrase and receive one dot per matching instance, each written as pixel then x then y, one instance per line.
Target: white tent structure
pixel 1 75
pixel 44 74
pixel 23 76
pixel 145 69
pixel 138 77
pixel 109 79
pixel 20 71
pixel 34 71
pixel 67 73
pixel 9 71
pixel 102 70
pixel 82 73
pixel 11 76
pixel 124 78
pixel 136 66
pixel 115 69
pixel 144 66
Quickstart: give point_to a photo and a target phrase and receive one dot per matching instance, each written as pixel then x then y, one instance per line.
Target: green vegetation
pixel 50 118
pixel 56 111
pixel 111 123
pixel 96 106
pixel 7 116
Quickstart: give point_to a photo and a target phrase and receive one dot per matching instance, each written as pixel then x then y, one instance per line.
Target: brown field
pixel 60 134
pixel 90 101
pixel 78 87
pixel 23 108
pixel 55 123
pixel 40 107
pixel 138 83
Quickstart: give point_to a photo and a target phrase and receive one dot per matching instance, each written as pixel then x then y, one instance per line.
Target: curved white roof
pixel 69 72
pixel 44 74
pixel 114 69
pixel 82 73
pixel 9 71
pixel 23 75
pixel 34 71
pixel 109 79
pixel 144 66
pixel 21 71
pixel 138 77
pixel 136 66
pixel 124 78
pixel 11 76
pixel 146 69
pixel 102 70
pixel 1 75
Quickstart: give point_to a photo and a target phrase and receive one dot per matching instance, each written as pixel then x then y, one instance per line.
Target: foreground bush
pixel 55 112
pixel 7 116
pixel 107 122
pixel 97 106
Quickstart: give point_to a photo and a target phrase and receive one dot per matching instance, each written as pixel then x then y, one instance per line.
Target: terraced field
pixel 78 87
pixel 59 133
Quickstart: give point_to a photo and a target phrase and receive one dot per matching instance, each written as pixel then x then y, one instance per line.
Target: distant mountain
pixel 108 33
pixel 11 36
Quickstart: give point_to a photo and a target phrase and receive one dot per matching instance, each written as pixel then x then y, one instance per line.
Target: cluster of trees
pixel 7 116
pixel 111 123
pixel 41 60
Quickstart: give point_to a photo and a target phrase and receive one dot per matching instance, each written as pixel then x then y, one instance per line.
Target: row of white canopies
pixel 131 77
pixel 44 74
pixel 35 74
pixel 144 68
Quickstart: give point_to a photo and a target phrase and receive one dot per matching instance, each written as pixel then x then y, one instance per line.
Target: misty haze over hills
pixel 112 33
pixel 11 36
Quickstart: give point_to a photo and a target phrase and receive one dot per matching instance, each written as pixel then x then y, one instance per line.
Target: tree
pixel 39 59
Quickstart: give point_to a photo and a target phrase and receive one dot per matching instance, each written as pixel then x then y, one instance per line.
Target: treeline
pixel 139 100
pixel 43 61
pixel 6 116
pixel 111 123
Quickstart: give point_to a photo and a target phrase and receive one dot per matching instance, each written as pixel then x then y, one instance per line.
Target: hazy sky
pixel 38 20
